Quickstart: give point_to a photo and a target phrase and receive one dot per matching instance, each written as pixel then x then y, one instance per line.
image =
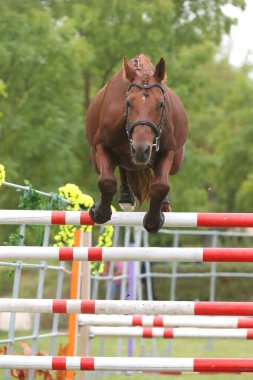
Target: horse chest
pixel 111 135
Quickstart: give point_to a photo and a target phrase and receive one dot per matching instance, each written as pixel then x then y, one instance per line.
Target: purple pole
pixel 131 296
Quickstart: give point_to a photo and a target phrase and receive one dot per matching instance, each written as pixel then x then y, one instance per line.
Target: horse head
pixel 144 110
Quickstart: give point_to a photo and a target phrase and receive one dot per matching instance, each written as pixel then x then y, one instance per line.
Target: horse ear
pixel 128 73
pixel 160 71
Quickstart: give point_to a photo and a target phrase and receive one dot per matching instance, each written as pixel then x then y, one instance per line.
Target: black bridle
pixel 157 128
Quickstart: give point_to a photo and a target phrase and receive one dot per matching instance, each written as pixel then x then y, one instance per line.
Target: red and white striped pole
pixel 170 332
pixel 155 254
pixel 211 365
pixel 173 219
pixel 126 307
pixel 165 321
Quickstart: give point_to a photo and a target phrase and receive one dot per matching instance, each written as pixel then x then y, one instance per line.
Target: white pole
pixel 169 333
pixel 126 307
pixel 213 365
pixel 165 321
pixel 130 219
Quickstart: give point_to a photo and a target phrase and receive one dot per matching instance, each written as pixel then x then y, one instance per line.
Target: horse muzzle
pixel 141 153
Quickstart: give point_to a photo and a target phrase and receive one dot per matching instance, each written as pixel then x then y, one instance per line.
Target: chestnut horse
pixel 138 124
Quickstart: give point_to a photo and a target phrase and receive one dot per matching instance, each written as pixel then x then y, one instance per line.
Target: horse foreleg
pixel 126 199
pixel 107 183
pixel 159 188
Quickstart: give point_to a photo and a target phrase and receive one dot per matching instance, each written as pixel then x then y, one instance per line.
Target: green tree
pixel 116 28
pixel 3 93
pixel 220 155
pixel 42 115
pixel 232 142
pixel 60 53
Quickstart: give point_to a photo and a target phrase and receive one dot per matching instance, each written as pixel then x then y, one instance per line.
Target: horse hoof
pixel 151 227
pixel 166 207
pixel 126 199
pixel 128 207
pixel 99 216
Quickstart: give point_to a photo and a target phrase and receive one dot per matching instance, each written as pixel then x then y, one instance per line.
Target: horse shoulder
pixel 113 108
pixel 111 116
pixel 179 117
pixel 93 114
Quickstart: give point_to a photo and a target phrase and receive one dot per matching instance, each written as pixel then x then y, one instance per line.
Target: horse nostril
pixel 147 152
pixel 140 152
pixel 133 150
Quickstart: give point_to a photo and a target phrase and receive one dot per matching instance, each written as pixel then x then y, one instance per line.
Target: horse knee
pixel 159 190
pixel 108 185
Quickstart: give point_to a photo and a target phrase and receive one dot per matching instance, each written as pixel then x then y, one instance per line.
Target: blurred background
pixel 55 55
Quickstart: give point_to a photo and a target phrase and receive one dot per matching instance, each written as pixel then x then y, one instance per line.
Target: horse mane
pixel 143 67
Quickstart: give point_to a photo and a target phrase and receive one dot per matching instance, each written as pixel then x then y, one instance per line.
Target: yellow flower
pixel 2 174
pixel 65 236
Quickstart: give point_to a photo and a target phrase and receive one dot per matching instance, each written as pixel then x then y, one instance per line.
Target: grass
pixel 180 348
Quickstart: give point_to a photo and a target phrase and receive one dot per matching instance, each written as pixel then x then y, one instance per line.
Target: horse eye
pixel 129 103
pixel 162 104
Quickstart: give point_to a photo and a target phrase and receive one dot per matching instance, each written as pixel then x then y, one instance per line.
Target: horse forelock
pixel 143 67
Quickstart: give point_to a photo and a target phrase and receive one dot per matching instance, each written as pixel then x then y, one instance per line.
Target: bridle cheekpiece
pixel 157 128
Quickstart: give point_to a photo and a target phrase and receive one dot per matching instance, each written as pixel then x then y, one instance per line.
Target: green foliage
pixel 60 53
pixel 3 93
pixel 199 20
pixel 66 234
pixel 31 200
pixel 243 198
pixel 229 133
pixel 3 89
pixel 36 63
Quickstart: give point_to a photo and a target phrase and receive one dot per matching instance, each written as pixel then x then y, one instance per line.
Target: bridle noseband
pixel 156 128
